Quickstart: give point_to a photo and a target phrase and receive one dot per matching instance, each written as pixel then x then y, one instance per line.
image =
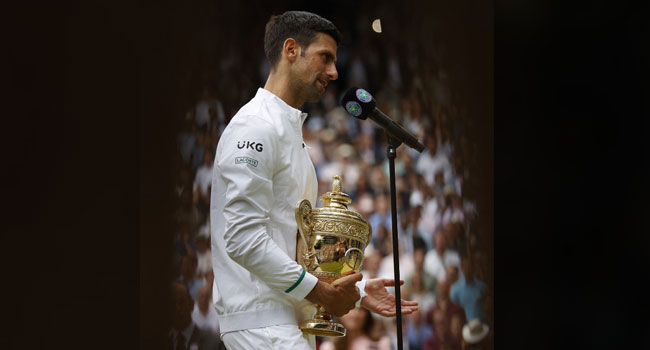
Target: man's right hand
pixel 339 297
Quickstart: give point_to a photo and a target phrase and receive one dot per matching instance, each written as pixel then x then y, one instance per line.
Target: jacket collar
pixel 296 116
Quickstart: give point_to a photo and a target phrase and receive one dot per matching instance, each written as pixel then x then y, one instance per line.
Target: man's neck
pixel 278 84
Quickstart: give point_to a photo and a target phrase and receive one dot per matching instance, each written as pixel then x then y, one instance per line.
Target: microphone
pixel 360 104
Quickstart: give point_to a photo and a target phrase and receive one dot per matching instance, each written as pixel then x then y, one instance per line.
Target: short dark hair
pixel 300 25
pixel 418 243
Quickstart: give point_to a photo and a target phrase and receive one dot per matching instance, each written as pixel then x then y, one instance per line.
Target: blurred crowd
pixel 443 256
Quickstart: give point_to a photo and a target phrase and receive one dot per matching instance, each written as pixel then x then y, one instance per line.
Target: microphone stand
pixel 392 153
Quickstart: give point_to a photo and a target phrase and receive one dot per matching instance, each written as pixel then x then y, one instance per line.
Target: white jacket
pixel 261 172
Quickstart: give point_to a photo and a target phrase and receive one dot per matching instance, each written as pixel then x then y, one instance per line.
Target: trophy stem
pixel 321 314
pixel 322 325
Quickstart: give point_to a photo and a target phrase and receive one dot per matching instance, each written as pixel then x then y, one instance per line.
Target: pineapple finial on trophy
pixel 336 183
pixel 336 198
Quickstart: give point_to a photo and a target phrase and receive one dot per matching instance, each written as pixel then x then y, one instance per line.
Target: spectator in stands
pixel 362 187
pixel 438 188
pixel 437 260
pixel 469 292
pixel 454 233
pixel 417 331
pixel 387 265
pixel 445 305
pixel 202 183
pixel 184 333
pixel 184 182
pixel 365 148
pixel 445 144
pixel 475 335
pixel 442 338
pixel 182 242
pixel 186 138
pixel 363 333
pixel 452 209
pixel 189 277
pixel 430 162
pixel 203 255
pixel 381 217
pixel 204 315
pixel 480 263
pixel 412 229
pixel 187 213
pixel 456 328
pixel 420 285
pixel 452 274
pixel 430 209
pixel 208 109
pixel 202 144
pixel 371 262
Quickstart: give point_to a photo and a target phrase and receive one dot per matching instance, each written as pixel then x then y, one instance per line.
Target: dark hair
pixel 368 324
pixel 300 25
pixel 418 243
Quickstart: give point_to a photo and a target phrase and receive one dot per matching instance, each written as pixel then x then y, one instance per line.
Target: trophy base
pixel 323 328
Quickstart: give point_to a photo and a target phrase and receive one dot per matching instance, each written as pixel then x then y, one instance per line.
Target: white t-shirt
pixel 209 322
pixel 204 262
pixel 437 267
pixel 428 166
pixel 203 178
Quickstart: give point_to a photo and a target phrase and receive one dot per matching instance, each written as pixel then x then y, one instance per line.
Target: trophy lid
pixel 336 198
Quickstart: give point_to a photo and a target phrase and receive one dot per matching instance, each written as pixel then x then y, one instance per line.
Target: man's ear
pixel 291 49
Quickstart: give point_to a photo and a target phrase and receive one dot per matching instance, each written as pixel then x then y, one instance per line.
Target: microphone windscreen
pixel 358 102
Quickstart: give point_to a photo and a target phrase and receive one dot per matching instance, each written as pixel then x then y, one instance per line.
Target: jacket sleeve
pixel 247 162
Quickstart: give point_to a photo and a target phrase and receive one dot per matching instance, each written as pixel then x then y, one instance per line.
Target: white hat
pixel 475 331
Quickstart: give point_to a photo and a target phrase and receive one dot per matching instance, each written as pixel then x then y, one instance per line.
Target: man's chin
pixel 315 96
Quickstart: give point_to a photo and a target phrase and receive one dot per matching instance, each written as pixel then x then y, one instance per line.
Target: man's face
pixel 315 67
pixel 418 257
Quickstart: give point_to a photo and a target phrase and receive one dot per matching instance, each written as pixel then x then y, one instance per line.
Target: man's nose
pixel 332 73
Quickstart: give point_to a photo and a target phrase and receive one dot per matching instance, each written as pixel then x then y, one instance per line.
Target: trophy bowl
pixel 330 245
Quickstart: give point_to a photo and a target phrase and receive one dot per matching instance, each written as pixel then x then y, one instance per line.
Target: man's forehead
pixel 323 41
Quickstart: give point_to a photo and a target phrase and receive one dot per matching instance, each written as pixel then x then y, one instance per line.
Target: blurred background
pixel 430 67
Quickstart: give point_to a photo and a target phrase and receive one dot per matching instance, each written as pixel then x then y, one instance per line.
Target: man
pixel 204 315
pixel 437 260
pixel 202 182
pixel 185 334
pixel 262 170
pixel 430 162
pixel 469 292
pixel 189 277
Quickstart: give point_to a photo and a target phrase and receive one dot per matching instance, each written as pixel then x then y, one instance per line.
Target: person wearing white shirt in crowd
pixel 203 255
pixel 204 315
pixel 208 110
pixel 184 333
pixel 453 208
pixel 437 260
pixel 203 178
pixel 431 161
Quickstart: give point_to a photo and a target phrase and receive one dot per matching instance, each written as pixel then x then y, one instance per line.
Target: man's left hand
pixel 379 301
